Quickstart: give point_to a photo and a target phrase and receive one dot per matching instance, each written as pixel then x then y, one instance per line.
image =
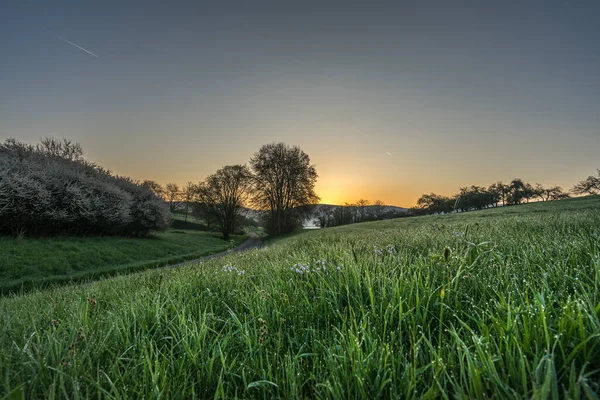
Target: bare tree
pixel 187 194
pixel 590 185
pixel 284 184
pixel 552 193
pixel 379 203
pixel 224 193
pixel 172 193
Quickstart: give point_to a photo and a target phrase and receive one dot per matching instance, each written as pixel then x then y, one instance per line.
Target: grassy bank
pixel 494 304
pixel 31 262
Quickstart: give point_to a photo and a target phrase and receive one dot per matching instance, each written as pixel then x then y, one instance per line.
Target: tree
pixel 48 189
pixel 204 212
pixel 590 185
pixel 498 192
pixel 172 193
pixel 379 203
pixel 475 198
pixel 224 193
pixel 284 184
pixel 529 192
pixel 551 193
pixel 517 191
pixel 188 193
pixel 434 204
pixel 155 187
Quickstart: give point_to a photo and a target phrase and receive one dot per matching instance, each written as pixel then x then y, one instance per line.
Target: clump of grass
pixel 509 310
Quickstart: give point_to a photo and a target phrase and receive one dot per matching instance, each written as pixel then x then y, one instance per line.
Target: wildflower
pixel 300 268
pixel 229 268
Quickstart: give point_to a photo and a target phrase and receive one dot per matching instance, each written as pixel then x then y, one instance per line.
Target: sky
pixel 389 99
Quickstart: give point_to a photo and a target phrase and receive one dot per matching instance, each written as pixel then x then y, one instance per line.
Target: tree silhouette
pixel 284 183
pixel 517 191
pixel 187 194
pixel 172 193
pixel 434 204
pixel 590 185
pixel 224 194
pixel 550 193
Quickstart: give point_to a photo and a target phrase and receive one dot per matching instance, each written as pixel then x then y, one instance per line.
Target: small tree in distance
pixel 172 193
pixel 187 194
pixel 590 185
pixel 550 193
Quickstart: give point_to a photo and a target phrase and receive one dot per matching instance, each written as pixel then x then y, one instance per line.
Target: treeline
pixel 479 197
pixel 350 213
pixel 50 189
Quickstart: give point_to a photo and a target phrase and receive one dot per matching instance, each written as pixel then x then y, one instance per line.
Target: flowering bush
pixel 43 193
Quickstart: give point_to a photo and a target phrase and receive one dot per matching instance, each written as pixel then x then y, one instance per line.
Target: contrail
pixel 73 44
pixel 388 153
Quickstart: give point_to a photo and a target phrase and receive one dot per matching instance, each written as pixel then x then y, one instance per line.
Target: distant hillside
pixel 376 209
pixel 327 215
pixel 371 212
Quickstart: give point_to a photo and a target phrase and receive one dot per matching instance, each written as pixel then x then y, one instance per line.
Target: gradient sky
pixel 459 93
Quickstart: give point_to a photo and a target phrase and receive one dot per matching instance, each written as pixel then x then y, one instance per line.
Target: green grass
pixel 179 222
pixel 258 230
pixel 30 262
pixel 494 304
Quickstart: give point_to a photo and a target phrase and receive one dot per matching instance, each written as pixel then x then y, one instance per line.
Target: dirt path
pixel 253 242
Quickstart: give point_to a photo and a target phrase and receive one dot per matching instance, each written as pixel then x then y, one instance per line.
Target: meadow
pixel 37 262
pixel 501 303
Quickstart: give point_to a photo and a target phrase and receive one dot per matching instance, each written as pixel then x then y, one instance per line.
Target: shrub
pixel 45 193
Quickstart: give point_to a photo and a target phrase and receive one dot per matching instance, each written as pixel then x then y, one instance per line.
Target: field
pixel 26 263
pixel 502 303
